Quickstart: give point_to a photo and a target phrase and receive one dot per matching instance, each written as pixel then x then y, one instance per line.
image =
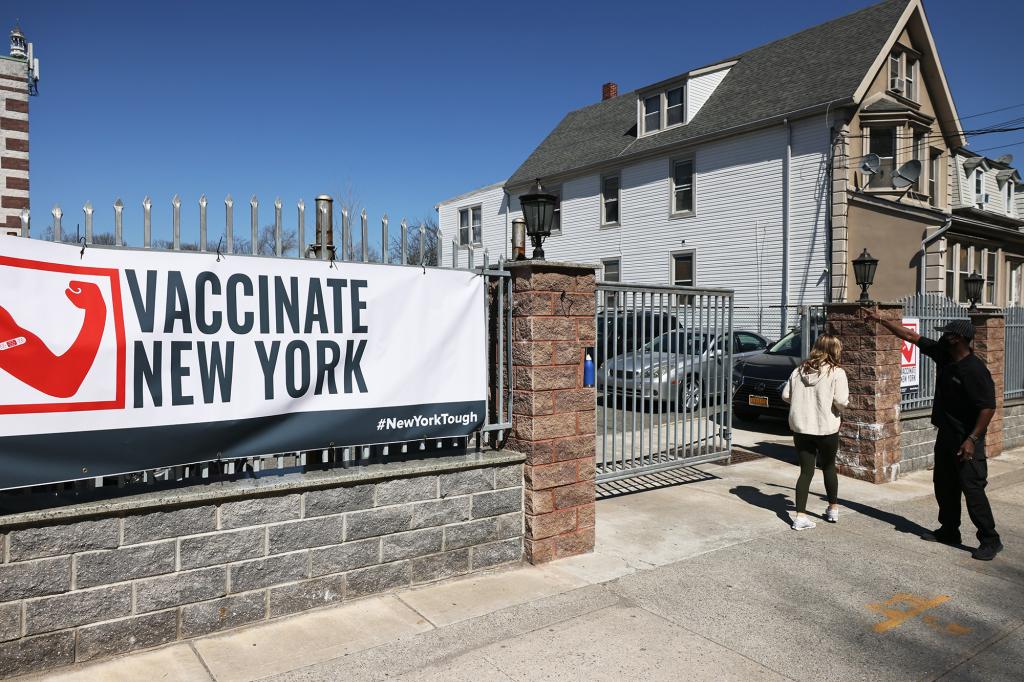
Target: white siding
pixel 491 200
pixel 699 89
pixel 997 193
pixel 738 196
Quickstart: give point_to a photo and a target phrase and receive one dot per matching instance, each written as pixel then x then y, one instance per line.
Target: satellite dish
pixel 907 174
pixel 870 164
pixel 1006 159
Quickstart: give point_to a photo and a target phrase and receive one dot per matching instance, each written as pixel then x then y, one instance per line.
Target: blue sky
pixel 400 104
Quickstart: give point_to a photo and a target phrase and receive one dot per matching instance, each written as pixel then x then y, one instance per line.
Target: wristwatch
pixel 973 439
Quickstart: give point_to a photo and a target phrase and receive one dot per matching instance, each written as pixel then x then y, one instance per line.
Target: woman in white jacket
pixel 816 391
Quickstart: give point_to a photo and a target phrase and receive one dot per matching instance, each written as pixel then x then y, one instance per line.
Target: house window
pixel 903 75
pixel 610 200
pixel 663 110
pixel 894 72
pixel 951 270
pixel 682 269
pixel 556 213
pixel 682 187
pixel 883 143
pixel 991 270
pixel 964 269
pixel 674 112
pixel 1009 197
pixel 610 270
pixel 1014 288
pixel 918 155
pixel 934 168
pixel 979 187
pixel 652 113
pixel 910 79
pixel 470 228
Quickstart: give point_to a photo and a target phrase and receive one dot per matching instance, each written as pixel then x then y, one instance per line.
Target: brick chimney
pixel 609 90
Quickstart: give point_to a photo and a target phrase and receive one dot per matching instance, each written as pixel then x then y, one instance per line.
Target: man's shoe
pixel 941 536
pixel 987 552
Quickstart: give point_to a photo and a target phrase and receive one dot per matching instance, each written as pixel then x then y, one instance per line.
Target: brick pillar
pixel 990 346
pixel 869 438
pixel 552 413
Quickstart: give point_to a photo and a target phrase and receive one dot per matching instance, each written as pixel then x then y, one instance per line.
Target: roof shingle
pixel 822 64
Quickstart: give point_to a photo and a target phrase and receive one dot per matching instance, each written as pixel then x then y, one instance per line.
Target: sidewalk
pixel 702 579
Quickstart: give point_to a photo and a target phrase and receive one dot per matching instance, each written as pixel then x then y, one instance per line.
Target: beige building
pixel 900 184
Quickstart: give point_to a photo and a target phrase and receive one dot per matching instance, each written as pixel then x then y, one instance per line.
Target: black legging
pixel 812 449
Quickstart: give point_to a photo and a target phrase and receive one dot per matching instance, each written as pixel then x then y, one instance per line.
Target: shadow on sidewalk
pixel 654 481
pixel 778 503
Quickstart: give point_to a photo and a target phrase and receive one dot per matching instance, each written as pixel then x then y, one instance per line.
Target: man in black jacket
pixel 963 406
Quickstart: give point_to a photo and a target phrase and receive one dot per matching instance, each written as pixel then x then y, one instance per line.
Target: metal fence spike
pixel 229 224
pixel 301 228
pixel 119 223
pixel 176 223
pixel 202 223
pixel 254 220
pixel 277 227
pixel 147 222
pixel 405 242
pixel 57 214
pixel 25 223
pixel 364 236
pixel 384 239
pixel 87 210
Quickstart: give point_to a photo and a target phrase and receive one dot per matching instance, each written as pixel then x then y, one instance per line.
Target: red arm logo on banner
pixel 27 358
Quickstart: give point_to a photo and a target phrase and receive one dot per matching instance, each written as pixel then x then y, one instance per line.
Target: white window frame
pixel 692 253
pixel 979 185
pixel 470 243
pixel 934 167
pixel 604 269
pixel 910 79
pixel 895 67
pixel 662 98
pixel 618 201
pixel 1009 196
pixel 1014 269
pixel 673 188
pixel 555 231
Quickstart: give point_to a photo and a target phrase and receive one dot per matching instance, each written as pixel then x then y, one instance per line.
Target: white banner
pixel 135 359
pixel 910 357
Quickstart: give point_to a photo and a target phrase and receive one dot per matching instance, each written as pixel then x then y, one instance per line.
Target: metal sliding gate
pixel 663 373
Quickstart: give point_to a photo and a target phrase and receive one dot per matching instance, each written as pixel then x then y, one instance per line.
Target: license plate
pixel 758 400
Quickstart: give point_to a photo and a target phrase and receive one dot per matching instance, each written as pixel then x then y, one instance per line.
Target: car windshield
pixel 790 344
pixel 687 344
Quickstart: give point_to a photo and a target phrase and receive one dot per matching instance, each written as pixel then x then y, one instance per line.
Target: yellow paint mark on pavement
pixel 902 607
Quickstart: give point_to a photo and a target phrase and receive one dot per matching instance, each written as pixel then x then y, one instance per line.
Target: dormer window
pixel 979 187
pixel 1009 197
pixel 904 75
pixel 663 110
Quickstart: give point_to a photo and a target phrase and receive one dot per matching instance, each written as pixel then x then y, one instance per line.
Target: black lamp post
pixel 539 212
pixel 973 284
pixel 864 272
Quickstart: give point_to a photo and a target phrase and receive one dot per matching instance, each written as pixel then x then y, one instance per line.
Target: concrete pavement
pixel 696 574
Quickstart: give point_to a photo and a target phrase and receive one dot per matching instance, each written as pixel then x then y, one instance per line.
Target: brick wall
pixel 869 438
pixel 79 590
pixel 990 345
pixel 14 144
pixel 553 413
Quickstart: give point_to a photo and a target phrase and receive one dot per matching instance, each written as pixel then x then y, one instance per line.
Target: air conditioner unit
pixel 982 198
pixel 897 85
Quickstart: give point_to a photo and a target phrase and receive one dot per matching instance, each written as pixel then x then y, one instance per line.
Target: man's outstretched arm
pixel 898 329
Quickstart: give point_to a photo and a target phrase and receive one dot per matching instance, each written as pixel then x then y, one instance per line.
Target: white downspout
pixel 786 163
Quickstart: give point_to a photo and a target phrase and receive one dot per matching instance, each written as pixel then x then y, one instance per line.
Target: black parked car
pixel 758 379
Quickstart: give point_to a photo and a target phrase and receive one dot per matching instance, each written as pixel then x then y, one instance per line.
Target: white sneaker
pixel 803 523
pixel 832 515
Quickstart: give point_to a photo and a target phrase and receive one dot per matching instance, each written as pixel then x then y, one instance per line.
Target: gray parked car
pixel 676 365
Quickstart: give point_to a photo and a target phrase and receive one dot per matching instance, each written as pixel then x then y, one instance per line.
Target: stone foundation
pixel 99 579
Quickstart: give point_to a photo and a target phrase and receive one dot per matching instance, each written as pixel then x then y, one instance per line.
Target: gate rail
pixel 663 377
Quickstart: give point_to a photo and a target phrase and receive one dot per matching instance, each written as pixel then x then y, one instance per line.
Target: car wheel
pixel 691 394
pixel 746 415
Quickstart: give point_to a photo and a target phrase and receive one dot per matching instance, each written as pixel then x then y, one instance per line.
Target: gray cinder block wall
pixel 79 584
pixel 1013 424
pixel 917 441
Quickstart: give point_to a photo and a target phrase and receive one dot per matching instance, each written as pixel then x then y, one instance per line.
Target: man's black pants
pixel 954 477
